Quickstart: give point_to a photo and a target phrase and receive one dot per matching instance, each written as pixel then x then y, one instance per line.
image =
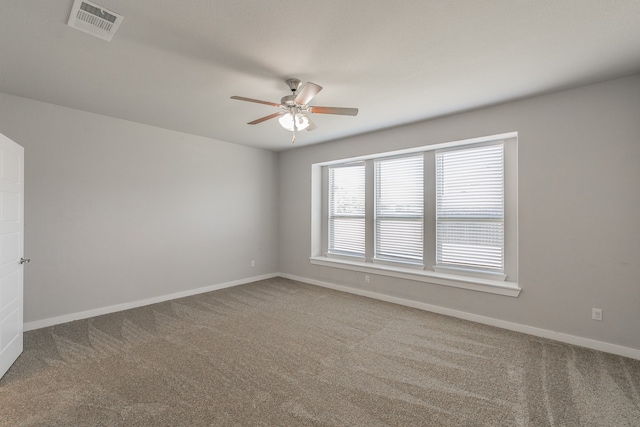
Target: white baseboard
pixel 29 326
pixel 517 327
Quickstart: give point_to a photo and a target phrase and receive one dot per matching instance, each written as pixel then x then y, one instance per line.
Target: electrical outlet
pixel 253 263
pixel 366 279
pixel 596 314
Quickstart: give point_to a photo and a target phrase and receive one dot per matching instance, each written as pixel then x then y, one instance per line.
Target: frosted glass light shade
pixel 302 121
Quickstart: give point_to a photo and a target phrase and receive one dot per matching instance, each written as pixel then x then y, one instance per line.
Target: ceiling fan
pixel 294 109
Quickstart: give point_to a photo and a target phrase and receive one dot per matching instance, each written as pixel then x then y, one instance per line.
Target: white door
pixel 11 251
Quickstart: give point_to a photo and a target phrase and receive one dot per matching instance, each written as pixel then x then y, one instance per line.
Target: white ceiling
pixel 174 64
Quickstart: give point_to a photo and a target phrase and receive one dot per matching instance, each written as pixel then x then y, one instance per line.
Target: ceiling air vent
pixel 94 19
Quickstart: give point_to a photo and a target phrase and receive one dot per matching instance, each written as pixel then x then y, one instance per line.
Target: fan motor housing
pixel 288 100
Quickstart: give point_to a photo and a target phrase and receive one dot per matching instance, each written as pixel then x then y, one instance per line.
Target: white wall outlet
pixel 253 263
pixel 366 279
pixel 596 313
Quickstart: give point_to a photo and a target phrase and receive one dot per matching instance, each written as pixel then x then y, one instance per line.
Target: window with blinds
pixel 347 210
pixel 470 208
pixel 399 209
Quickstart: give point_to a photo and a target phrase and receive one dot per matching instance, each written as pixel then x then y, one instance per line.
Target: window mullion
pixel 369 211
pixel 429 247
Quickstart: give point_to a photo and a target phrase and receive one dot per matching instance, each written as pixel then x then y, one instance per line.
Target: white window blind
pixel 347 210
pixel 470 208
pixel 399 208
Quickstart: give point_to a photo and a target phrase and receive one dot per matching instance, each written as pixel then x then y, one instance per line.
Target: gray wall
pixel 117 212
pixel 579 210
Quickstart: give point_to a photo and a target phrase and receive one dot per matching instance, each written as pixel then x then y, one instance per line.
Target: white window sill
pixel 470 272
pixel 498 287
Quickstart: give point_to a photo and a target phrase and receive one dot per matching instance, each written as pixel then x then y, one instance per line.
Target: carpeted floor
pixel 283 353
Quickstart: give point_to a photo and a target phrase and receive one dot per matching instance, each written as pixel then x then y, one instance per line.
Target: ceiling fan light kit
pixel 294 122
pixel 294 114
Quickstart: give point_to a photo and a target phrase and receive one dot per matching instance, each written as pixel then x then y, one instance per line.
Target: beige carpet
pixel 283 353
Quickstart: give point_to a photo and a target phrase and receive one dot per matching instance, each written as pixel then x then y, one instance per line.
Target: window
pixel 399 209
pixel 470 208
pixel 347 210
pixel 444 213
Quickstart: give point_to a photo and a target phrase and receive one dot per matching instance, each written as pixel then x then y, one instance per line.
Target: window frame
pixel 339 253
pixel 472 280
pixel 390 258
pixel 497 274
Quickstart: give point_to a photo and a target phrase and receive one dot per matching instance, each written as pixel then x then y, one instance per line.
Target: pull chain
pixel 295 125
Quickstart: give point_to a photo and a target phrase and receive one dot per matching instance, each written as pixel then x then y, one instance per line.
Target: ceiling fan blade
pixel 312 126
pixel 308 91
pixel 265 118
pixel 334 110
pixel 242 98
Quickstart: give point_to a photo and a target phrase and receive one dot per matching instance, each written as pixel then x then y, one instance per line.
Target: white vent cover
pixel 94 19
